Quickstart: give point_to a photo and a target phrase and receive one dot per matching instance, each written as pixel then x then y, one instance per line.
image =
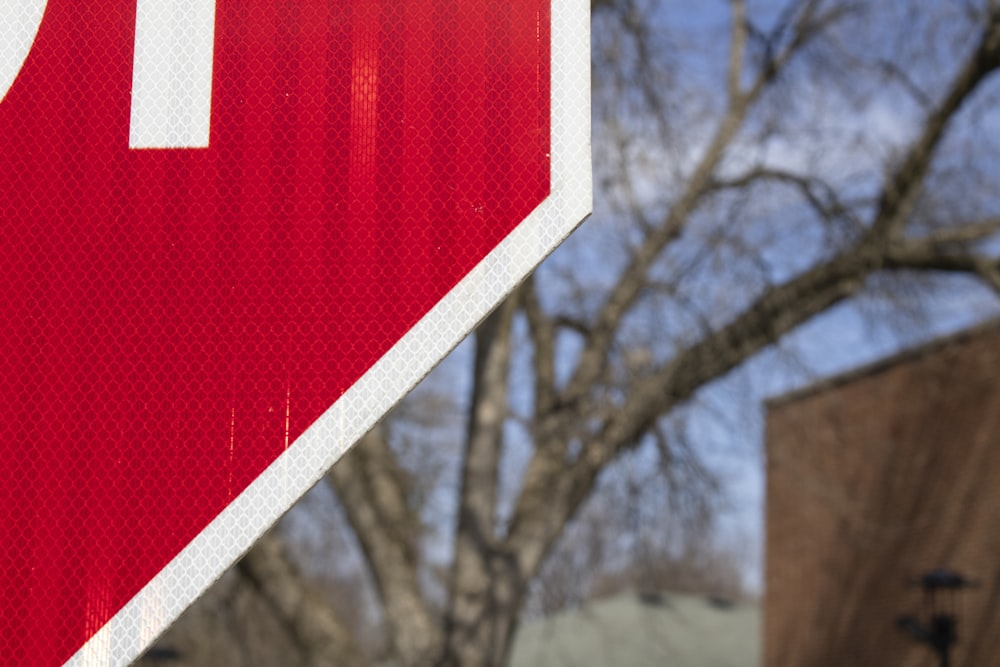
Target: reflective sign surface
pixel 217 216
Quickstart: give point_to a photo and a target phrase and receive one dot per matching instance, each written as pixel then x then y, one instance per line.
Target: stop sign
pixel 235 232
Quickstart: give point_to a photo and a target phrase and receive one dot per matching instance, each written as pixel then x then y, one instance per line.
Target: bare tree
pixel 822 151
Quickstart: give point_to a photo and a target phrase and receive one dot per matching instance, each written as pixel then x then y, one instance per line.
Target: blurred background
pixel 796 215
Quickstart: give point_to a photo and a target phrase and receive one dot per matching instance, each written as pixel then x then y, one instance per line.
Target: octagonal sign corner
pixel 235 234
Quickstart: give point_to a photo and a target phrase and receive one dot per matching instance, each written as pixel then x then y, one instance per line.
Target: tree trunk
pixel 483 619
pixel 309 620
pixel 368 483
pixel 486 587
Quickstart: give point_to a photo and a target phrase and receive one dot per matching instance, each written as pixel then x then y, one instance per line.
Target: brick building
pixel 874 478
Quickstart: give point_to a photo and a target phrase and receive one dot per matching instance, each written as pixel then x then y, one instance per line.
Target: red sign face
pixel 183 294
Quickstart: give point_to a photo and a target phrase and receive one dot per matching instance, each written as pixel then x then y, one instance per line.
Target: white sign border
pixel 134 628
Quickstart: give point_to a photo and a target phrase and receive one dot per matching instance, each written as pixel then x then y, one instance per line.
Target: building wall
pixel 872 480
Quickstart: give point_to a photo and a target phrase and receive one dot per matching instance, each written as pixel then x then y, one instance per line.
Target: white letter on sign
pixel 172 74
pixel 18 27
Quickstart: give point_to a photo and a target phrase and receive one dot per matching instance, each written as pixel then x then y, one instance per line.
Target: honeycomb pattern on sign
pixel 179 318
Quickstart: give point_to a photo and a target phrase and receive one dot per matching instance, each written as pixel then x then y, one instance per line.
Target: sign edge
pixel 158 604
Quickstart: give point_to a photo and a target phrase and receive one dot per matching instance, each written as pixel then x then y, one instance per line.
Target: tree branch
pixel 903 186
pixel 924 255
pixel 593 358
pixel 369 483
pixel 543 353
pixel 551 493
pixel 475 538
pixel 309 621
pixel 737 49
pixel 806 27
pixel 818 194
pixel 965 233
